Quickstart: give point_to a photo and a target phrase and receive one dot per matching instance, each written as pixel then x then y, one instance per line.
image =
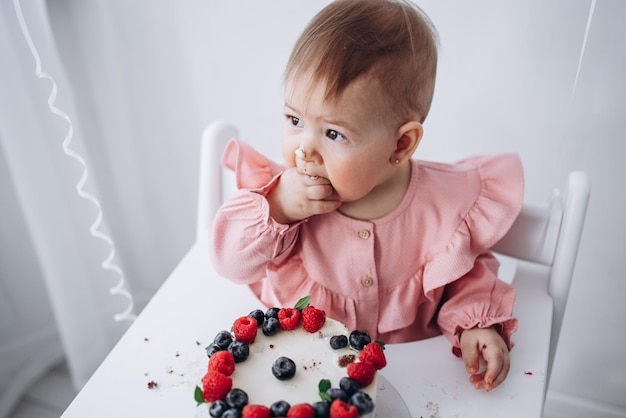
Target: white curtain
pixel 140 161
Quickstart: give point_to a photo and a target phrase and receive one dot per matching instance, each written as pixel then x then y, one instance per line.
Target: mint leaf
pixel 303 303
pixel 323 386
pixel 198 396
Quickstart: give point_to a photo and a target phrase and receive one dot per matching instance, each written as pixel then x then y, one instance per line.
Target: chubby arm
pixel 477 318
pixel 260 226
pixel 244 238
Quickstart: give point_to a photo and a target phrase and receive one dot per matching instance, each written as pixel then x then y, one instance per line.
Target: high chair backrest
pixel 550 235
pixel 214 182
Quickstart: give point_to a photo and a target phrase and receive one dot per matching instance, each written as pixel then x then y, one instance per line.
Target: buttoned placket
pixel 366 281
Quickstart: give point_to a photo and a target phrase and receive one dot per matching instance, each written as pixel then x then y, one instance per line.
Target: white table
pixel 166 344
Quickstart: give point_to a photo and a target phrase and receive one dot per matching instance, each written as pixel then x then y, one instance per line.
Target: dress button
pixel 364 234
pixel 367 281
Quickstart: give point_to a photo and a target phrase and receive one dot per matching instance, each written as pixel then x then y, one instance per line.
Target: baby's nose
pixel 300 153
pixel 307 152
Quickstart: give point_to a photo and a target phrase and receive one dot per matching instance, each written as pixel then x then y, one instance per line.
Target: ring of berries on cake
pixel 317 369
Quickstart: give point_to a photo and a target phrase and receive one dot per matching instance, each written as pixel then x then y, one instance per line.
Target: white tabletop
pixel 166 344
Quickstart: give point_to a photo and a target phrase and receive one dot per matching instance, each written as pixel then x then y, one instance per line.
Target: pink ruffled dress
pixel 419 271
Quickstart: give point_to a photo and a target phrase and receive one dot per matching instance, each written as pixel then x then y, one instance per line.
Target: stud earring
pixel 396 161
pixel 300 153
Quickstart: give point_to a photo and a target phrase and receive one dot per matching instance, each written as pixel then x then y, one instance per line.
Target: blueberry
pixel 212 349
pixel 232 413
pixel 279 409
pixel 284 368
pixel 259 316
pixel 272 313
pixel 240 350
pixel 218 408
pixel 336 393
pixel 349 385
pixel 223 339
pixel 359 339
pixel 237 398
pixel 271 326
pixel 322 409
pixel 338 341
pixel 363 402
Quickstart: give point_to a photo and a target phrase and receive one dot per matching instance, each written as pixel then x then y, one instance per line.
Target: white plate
pixel 389 403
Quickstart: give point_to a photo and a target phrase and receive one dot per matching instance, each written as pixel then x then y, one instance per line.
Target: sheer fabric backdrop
pixel 143 178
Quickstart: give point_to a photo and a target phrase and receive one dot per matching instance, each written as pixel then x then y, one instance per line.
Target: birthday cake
pixel 291 362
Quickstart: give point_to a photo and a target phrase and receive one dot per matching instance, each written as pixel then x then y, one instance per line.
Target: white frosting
pixel 314 358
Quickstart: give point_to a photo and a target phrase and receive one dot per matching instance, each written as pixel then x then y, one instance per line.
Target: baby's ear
pixel 409 136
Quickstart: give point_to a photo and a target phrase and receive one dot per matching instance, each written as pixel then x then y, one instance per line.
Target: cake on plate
pixel 291 362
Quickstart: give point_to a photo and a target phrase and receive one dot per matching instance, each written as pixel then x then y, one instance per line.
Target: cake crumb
pixel 152 384
pixel 271 345
pixel 345 360
pixel 433 408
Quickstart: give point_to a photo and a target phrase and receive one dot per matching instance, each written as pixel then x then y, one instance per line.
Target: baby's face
pixel 346 141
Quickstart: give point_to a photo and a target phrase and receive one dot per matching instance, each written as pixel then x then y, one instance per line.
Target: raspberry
pixel 255 411
pixel 245 329
pixel 313 319
pixel 301 410
pixel 373 352
pixel 363 372
pixel 215 386
pixel 289 318
pixel 223 362
pixel 341 409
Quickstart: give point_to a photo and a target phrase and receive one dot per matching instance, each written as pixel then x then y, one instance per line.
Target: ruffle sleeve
pixel 483 197
pixel 475 297
pixel 252 169
pixel 244 238
pixel 496 206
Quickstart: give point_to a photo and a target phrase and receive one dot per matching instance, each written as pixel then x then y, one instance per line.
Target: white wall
pixel 505 83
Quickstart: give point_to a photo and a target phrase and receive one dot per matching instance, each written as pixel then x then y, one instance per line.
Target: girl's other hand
pixel 298 196
pixel 485 346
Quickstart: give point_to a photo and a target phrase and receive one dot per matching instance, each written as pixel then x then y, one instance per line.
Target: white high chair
pixel 544 240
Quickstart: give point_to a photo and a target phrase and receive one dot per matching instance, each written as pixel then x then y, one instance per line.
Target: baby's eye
pixel 295 121
pixel 335 136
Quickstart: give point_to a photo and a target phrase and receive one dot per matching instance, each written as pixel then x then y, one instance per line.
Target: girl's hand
pixel 299 196
pixel 485 345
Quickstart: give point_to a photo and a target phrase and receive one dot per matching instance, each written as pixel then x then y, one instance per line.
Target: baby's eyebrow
pixel 290 107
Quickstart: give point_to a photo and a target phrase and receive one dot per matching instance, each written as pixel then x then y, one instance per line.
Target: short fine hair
pixel 393 42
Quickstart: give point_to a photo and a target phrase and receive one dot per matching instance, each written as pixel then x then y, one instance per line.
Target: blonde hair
pixel 392 42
